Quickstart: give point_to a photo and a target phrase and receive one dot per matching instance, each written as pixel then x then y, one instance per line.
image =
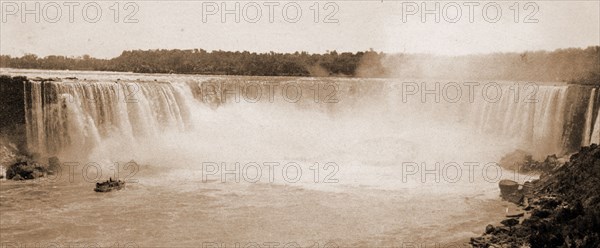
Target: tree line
pixel 198 61
pixel 574 65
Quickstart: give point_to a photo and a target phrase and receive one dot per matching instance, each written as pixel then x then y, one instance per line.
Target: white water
pixel 369 134
pixel 596 133
pixel 536 125
pixel 102 118
pixel 88 115
pixel 587 131
pixel 164 125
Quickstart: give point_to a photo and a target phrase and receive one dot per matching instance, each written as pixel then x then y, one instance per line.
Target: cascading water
pixel 536 122
pixel 588 128
pixel 596 133
pixel 76 117
pixel 68 118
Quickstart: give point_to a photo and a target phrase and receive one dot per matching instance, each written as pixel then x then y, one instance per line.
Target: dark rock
pixel 523 162
pixel 509 222
pixel 508 186
pixel 564 207
pixel 53 165
pixel 552 162
pixel 26 169
pixel 480 241
pixel 592 201
pixel 566 213
pixel 527 189
pixel 516 198
pixel 515 214
pixel 501 230
pixel 531 221
pixel 489 229
pixel 541 213
pixel 548 202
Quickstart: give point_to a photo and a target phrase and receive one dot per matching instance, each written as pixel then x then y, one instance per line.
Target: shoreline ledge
pixel 561 209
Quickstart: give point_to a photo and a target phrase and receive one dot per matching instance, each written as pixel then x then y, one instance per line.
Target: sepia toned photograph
pixel 306 123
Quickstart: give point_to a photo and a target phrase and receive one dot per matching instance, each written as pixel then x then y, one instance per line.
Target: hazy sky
pixel 357 25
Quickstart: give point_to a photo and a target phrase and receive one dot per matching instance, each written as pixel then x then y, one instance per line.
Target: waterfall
pixel 588 119
pixel 596 133
pixel 75 117
pixel 538 123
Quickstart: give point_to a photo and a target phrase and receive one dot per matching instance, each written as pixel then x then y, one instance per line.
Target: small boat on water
pixel 109 185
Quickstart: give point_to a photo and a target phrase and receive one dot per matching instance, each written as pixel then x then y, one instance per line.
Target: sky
pixel 104 29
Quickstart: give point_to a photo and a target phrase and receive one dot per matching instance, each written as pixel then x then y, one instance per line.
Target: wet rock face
pixel 8 154
pixel 25 170
pixel 523 162
pixel 563 209
pixel 510 191
pixel 12 110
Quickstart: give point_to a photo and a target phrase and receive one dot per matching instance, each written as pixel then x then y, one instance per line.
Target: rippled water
pixel 190 212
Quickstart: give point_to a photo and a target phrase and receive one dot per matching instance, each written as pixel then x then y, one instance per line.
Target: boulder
pixel 515 214
pixel 516 198
pixel 523 162
pixel 25 170
pixel 563 207
pixel 510 222
pixel 508 187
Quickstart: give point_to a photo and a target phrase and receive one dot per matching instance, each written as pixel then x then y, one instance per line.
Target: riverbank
pixel 561 209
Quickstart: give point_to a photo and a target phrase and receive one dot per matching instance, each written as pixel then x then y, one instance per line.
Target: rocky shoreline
pixel 561 209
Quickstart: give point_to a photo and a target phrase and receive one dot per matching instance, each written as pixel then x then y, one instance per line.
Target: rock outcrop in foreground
pixel 26 168
pixel 562 209
pixel 523 162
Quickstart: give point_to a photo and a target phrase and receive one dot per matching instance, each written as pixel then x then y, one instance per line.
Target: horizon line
pixel 310 53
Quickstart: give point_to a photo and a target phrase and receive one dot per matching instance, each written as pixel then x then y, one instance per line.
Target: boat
pixel 109 185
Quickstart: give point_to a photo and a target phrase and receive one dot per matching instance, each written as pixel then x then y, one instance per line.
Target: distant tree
pixel 573 65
